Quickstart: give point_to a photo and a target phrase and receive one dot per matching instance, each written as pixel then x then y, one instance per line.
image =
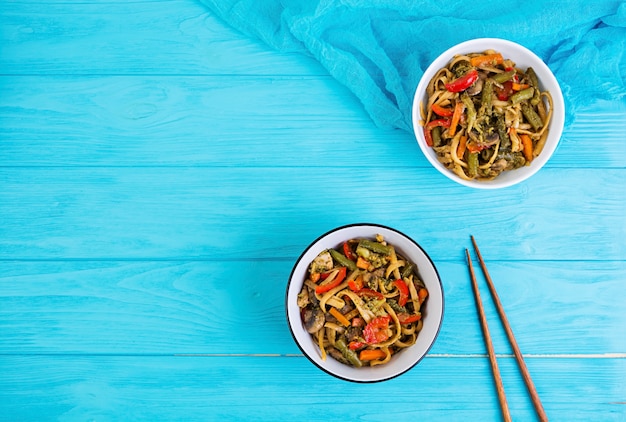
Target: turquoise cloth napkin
pixel 379 49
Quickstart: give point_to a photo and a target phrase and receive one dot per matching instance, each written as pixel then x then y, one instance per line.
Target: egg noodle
pixel 362 302
pixel 485 116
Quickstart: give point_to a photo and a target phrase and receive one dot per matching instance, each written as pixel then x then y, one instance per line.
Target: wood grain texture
pixel 173 307
pixel 227 213
pixel 273 121
pixel 271 388
pixel 160 173
pixel 174 37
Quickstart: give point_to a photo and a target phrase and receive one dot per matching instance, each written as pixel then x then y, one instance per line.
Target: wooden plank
pixel 207 121
pixel 227 213
pixel 237 307
pixel 175 37
pixel 284 388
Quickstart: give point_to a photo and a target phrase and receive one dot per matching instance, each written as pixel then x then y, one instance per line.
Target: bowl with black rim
pixel 432 313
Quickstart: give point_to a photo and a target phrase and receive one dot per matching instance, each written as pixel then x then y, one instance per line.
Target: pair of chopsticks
pixel 492 356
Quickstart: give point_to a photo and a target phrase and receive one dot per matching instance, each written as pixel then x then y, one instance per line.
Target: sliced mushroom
pixel 500 165
pixel 476 88
pixel 313 319
pixel 492 138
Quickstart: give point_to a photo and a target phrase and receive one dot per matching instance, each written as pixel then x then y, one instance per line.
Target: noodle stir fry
pixel 362 303
pixel 485 116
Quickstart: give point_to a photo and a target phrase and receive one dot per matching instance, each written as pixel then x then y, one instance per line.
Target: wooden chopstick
pixel 507 328
pixel 492 355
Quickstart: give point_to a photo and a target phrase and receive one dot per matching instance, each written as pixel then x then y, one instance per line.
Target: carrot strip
pixel 527 147
pixel 460 151
pixel 518 87
pixel 342 319
pixel 367 354
pixel 458 110
pixel 487 59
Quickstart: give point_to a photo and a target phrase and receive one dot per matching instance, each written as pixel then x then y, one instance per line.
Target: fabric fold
pixel 379 49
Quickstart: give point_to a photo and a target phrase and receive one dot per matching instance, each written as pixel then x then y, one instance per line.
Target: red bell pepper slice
pixel 404 291
pixel 464 82
pixel 356 284
pixel 442 111
pixel 370 293
pixel 328 284
pixel 377 330
pixel 503 93
pixel 429 127
pixel 348 252
pixel 405 318
pixel 355 345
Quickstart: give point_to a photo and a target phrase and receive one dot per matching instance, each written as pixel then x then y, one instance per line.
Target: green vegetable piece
pixel 504 76
pixel 342 260
pixel 536 98
pixel 396 307
pixel 472 164
pixel 350 355
pixel 469 109
pixel 436 134
pixel 531 116
pixel 505 141
pixel 531 76
pixel 375 247
pixel 523 95
pixel 485 106
pixel 407 270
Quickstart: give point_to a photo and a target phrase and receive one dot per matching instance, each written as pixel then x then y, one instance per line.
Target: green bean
pixel 505 141
pixel 523 95
pixel 534 82
pixel 407 270
pixel 536 97
pixel 485 99
pixel 531 116
pixel 342 260
pixel 436 134
pixel 472 164
pixel 532 77
pixel 504 76
pixel 471 111
pixel 350 355
pixel 375 247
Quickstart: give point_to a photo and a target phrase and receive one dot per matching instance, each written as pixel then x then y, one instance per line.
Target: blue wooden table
pixel 160 173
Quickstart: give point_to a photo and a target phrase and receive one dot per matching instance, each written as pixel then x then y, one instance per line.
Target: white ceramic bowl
pixel 432 313
pixel 523 58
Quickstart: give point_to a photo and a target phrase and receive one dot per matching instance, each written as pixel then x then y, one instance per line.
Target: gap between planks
pixel 435 355
pixel 299 355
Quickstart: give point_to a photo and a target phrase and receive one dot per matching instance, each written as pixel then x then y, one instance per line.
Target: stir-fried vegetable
pixel 362 302
pixel 485 116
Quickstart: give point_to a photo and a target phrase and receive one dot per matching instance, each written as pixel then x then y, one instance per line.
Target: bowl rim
pixel 556 125
pixel 418 358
